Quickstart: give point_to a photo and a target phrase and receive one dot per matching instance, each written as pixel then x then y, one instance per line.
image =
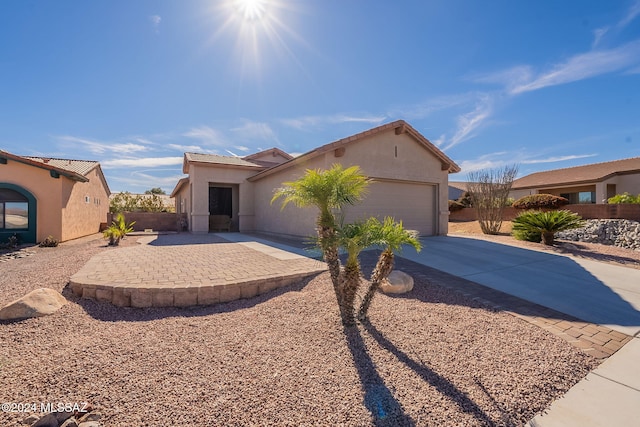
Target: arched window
pixel 14 210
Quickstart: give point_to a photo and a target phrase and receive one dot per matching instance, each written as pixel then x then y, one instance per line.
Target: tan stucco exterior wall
pixel 201 176
pixel 46 191
pixel 61 211
pixel 376 156
pixel 84 206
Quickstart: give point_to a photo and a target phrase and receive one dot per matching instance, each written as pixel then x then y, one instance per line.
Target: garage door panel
pixel 412 203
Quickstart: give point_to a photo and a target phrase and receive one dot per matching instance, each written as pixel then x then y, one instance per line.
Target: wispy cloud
pixel 505 158
pixel 557 159
pixel 185 148
pixel 469 123
pixel 255 131
pixel 97 147
pixel 207 136
pixel 156 20
pixel 425 109
pixel 598 34
pixel 309 122
pixel 583 66
pixel 142 162
pixel 632 13
pixel 487 161
pixel 139 181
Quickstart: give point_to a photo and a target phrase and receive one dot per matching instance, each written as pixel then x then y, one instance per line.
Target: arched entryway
pixel 17 213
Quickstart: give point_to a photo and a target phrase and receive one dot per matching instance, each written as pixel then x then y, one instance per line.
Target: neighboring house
pixel 44 196
pixel 456 189
pixel 593 183
pixel 409 173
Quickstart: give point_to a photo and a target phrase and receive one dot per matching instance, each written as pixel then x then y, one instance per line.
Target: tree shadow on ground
pixel 444 386
pixel 519 279
pixel 384 408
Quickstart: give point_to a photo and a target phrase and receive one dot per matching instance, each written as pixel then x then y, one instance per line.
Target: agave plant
pixel 546 223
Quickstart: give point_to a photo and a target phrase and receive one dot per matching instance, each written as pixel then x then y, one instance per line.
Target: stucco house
pixel 42 196
pixel 593 183
pixel 409 173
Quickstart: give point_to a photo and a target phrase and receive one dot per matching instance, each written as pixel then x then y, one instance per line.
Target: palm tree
pixel 328 190
pixel 118 230
pixel 546 223
pixel 354 238
pixel 392 235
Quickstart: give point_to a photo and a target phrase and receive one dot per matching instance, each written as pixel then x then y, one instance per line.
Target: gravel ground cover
pixel 428 358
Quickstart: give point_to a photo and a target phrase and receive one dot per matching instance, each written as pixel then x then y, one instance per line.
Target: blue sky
pixel 134 84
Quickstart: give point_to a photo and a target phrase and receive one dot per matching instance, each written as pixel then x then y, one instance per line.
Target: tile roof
pixel 268 151
pixel 400 126
pixel 220 160
pixel 579 174
pixel 74 169
pixel 81 167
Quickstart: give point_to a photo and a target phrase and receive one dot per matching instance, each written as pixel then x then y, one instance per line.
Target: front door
pixel 220 201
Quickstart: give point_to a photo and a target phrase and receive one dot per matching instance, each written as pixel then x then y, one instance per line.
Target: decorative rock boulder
pixel 40 302
pixel 398 282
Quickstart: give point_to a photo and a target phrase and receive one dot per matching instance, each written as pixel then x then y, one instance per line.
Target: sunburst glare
pixel 259 30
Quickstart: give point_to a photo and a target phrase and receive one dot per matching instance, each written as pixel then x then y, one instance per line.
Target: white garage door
pixel 414 204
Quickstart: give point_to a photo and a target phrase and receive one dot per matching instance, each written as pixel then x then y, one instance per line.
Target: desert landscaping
pixel 429 357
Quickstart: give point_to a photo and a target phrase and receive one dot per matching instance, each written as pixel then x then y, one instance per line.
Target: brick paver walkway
pixel 184 270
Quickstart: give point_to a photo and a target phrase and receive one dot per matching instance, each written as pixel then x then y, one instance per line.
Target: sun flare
pixel 251 10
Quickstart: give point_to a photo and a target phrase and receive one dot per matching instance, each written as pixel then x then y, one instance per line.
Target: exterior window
pixel 87 199
pixel 587 197
pixel 14 210
pixel 582 197
pixel 16 215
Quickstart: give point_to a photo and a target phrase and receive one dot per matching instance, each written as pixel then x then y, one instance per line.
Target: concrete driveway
pixel 595 292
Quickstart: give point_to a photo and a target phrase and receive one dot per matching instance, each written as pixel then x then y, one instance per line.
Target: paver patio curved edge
pixel 185 275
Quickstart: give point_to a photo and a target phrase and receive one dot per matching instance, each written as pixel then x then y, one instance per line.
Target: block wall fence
pixel 586 211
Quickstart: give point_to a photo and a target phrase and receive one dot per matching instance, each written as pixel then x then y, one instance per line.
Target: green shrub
pixel 454 205
pixel 546 223
pixel 118 230
pixel 624 198
pixel 526 235
pixel 49 242
pixel 465 199
pixel 540 201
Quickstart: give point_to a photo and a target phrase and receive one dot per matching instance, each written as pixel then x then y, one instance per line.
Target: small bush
pixel 624 198
pixel 546 223
pixel 527 235
pixel 49 242
pixel 465 199
pixel 454 205
pixel 540 201
pixel 12 242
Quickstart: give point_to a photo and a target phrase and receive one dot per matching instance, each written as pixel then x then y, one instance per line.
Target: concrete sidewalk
pixel 592 291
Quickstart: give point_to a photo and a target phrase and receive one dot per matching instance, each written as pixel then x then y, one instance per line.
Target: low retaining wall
pixel 586 211
pixel 157 221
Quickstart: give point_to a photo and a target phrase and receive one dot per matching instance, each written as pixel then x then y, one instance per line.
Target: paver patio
pixel 184 270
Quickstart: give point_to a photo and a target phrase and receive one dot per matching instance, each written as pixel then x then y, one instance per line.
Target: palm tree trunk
pixel 330 253
pixel 380 272
pixel 548 238
pixel 351 284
